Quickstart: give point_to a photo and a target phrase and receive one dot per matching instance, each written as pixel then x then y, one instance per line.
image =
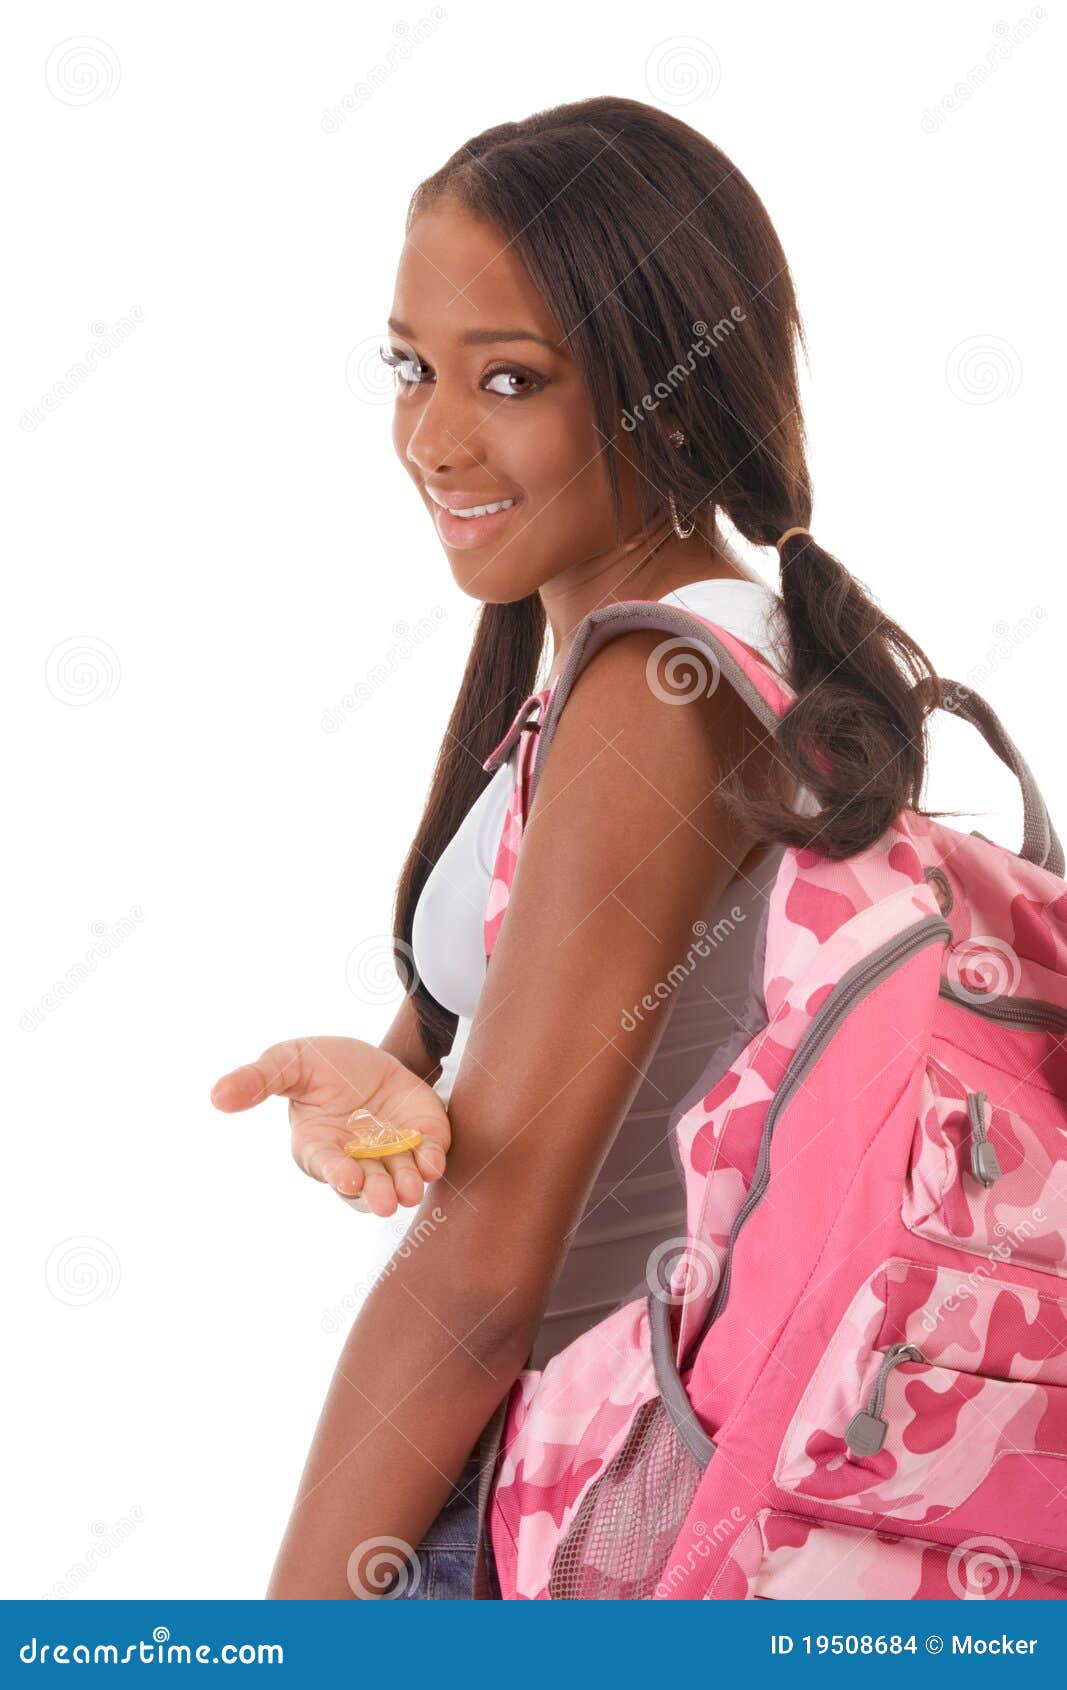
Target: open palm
pixel 326 1080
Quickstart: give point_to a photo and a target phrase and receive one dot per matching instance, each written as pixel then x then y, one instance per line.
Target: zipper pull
pixel 866 1431
pixel 985 1164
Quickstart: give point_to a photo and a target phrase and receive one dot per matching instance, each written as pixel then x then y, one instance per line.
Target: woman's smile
pixel 490 519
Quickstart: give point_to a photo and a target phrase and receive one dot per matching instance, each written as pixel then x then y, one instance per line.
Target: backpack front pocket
pixel 987 1176
pixel 787 1558
pixel 942 1398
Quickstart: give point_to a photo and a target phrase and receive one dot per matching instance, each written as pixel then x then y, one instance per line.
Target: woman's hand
pixel 325 1080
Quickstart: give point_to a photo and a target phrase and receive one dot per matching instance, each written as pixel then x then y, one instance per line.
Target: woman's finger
pixel 378 1188
pixel 323 1161
pixel 407 1181
pixel 430 1159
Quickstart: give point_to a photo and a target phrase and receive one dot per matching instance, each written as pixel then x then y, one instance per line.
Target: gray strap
pixel 669 1380
pixel 602 625
pixel 1041 843
pixel 488 1446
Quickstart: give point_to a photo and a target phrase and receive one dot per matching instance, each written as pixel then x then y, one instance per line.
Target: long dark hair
pixel 643 238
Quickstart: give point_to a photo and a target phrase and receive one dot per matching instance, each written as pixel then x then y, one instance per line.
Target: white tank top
pixel 638 1200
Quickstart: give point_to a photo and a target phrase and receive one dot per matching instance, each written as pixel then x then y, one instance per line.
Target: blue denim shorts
pixel 444 1564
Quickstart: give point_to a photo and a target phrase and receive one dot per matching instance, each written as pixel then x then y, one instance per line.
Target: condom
pixel 378 1138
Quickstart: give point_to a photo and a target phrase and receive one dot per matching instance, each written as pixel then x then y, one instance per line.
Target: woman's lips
pixel 465 531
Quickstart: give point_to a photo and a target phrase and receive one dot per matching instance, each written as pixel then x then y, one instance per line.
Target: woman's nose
pixel 443 436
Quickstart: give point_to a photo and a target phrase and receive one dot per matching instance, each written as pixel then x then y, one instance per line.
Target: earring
pixel 682 531
pixel 677 438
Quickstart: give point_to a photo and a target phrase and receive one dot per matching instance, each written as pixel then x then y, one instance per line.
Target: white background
pixel 213 545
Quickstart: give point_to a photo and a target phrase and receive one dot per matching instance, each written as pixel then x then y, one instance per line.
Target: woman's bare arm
pixel 625 847
pixel 404 1041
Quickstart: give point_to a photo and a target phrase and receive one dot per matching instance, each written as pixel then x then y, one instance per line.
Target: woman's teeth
pixel 485 510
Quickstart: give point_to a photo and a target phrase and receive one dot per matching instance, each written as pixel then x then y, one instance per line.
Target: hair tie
pixel 788 535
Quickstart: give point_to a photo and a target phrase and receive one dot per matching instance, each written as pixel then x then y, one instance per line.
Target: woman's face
pixel 490 406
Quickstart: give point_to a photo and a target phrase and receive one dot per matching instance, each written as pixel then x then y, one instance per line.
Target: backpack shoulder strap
pixel 746 671
pixel 534 722
pixel 1041 843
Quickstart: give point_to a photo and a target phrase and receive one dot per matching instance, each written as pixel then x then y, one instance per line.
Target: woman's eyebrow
pixel 481 337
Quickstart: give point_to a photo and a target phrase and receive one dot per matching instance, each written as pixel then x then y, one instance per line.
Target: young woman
pixel 594 328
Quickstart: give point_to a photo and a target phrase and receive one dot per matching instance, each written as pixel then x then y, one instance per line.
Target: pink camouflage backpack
pixel 851 1378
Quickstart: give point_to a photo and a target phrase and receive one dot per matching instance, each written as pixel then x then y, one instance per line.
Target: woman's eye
pixel 402 365
pixel 511 378
pixel 514 383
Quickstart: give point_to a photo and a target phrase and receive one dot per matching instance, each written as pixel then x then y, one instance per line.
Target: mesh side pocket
pixel 623 1533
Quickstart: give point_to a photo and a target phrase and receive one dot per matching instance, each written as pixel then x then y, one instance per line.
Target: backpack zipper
pixel 985 1164
pixel 1024 1012
pixel 849 990
pixel 866 1431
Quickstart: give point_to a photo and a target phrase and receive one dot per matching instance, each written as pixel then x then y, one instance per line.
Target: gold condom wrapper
pixel 377 1138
